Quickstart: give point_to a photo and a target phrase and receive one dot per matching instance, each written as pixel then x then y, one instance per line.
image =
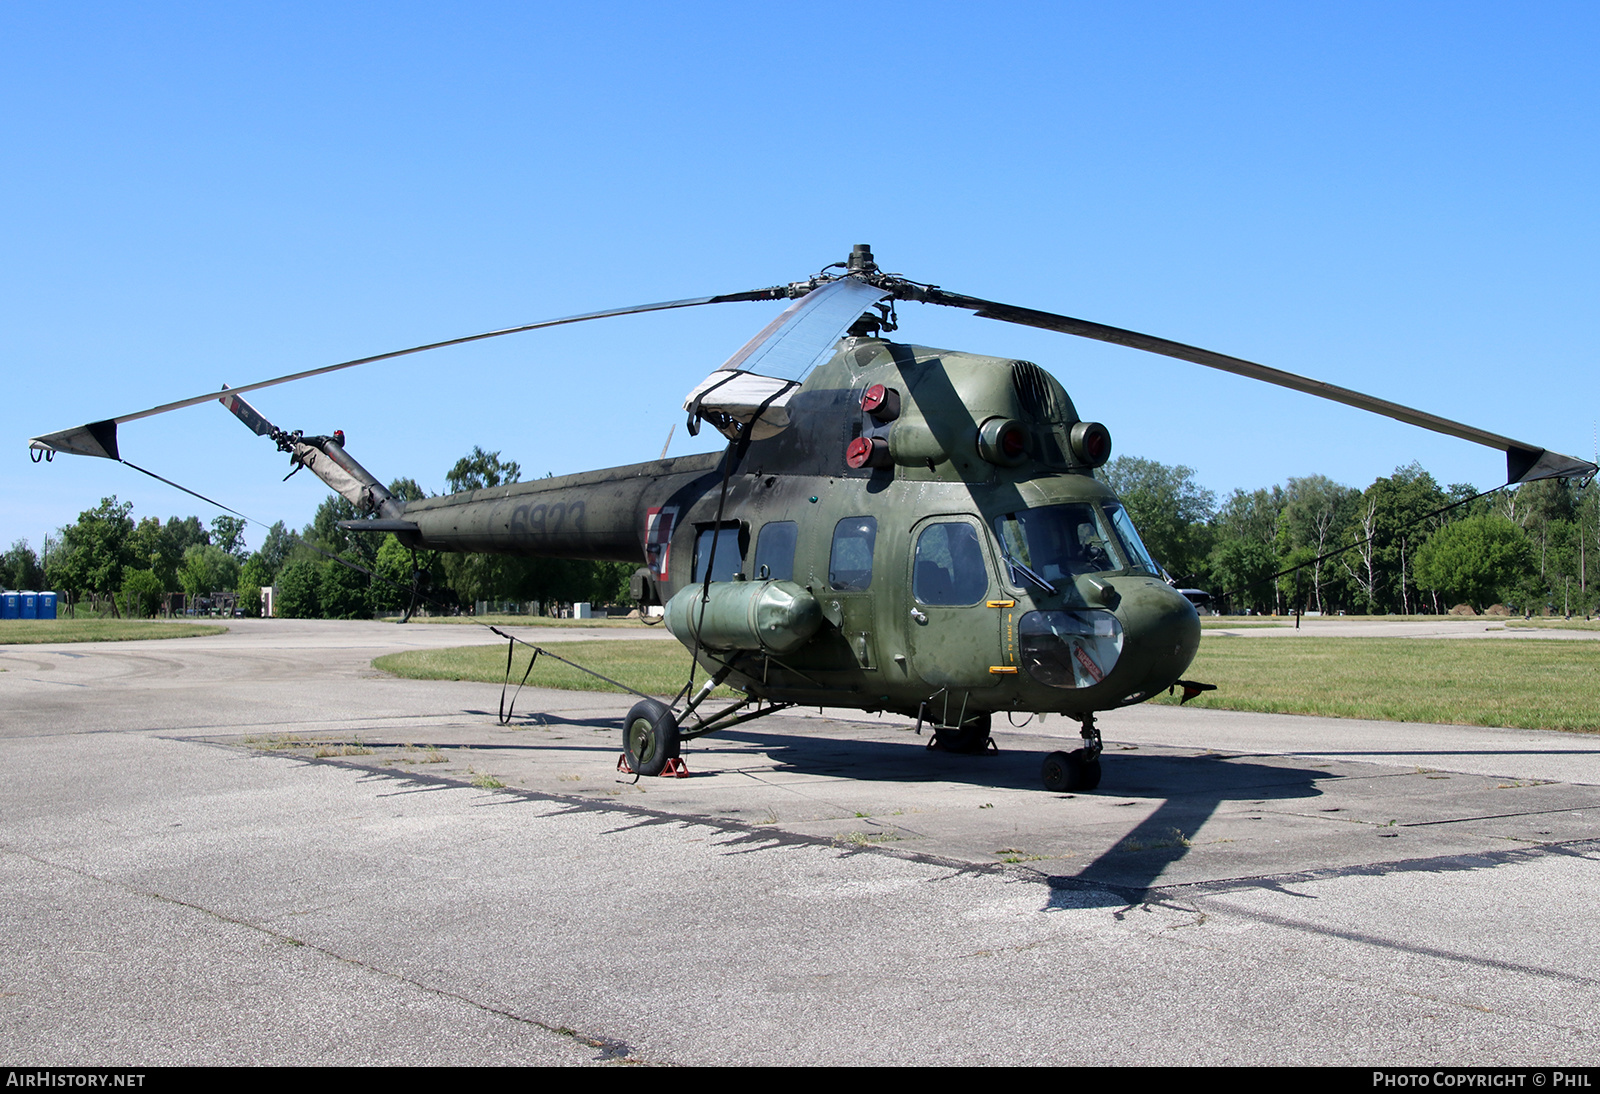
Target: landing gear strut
pixel 1079 769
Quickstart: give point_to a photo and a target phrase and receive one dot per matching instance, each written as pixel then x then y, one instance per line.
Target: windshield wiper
pixel 1019 568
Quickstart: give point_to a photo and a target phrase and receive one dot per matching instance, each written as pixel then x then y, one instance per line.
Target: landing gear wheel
pixel 650 737
pixel 1070 771
pixel 971 738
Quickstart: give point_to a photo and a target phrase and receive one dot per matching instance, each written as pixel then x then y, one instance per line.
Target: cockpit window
pixel 1132 546
pixel 1060 542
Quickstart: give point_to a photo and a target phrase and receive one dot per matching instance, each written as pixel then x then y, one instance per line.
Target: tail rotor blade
pixel 246 413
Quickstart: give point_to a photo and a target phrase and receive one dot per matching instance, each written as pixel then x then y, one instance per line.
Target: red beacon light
pixel 881 403
pixel 867 452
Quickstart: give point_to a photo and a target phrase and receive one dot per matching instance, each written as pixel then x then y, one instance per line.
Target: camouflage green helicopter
pixel 890 528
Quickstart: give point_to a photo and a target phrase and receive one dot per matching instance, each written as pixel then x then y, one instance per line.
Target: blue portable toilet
pixel 9 605
pixel 30 605
pixel 47 605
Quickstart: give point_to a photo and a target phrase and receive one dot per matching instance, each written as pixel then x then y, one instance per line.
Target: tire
pixel 1070 772
pixel 650 737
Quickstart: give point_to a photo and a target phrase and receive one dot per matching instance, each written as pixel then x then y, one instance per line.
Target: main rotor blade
pixel 100 438
pixel 1524 462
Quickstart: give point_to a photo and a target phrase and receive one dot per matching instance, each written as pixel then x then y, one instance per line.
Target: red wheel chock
pixel 675 769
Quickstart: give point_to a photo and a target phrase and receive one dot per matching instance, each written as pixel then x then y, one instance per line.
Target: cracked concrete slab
pixel 185 883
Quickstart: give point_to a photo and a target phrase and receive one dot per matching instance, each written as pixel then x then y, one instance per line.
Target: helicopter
pixel 890 527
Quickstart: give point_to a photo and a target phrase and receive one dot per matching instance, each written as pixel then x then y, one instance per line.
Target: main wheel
pixel 650 736
pixel 1070 771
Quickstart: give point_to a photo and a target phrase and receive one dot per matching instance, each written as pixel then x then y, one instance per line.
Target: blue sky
pixel 1398 198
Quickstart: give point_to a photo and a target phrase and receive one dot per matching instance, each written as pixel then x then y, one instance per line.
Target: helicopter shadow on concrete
pixel 1191 789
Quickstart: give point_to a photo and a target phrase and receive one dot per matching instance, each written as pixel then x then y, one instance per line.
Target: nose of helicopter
pixel 1162 632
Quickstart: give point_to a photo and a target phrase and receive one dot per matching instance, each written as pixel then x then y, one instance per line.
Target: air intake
pixel 1036 394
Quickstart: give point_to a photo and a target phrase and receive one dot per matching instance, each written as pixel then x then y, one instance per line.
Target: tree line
pixel 108 562
pixel 1404 544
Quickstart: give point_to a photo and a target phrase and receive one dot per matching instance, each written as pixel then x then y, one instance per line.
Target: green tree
pixel 342 593
pixel 479 469
pixel 296 590
pixel 1244 555
pixel 249 598
pixel 1474 560
pixel 1402 502
pixel 207 569
pixel 20 568
pixel 1315 512
pixel 391 591
pixel 228 533
pixel 610 584
pixel 94 552
pixel 176 537
pixel 407 490
pixel 475 577
pixel 275 549
pixel 255 571
pixel 1170 509
pixel 142 592
pixel 1245 568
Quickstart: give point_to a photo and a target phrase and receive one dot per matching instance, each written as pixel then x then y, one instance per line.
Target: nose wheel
pixel 1070 771
pixel 1078 770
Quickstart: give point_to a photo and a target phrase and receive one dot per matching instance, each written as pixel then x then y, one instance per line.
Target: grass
pixel 866 839
pixel 1524 684
pixel 528 621
pixel 1533 684
pixel 19 632
pixel 651 666
pixel 319 747
pixel 1553 624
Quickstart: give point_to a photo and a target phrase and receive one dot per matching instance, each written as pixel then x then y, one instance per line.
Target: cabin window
pixel 728 549
pixel 850 562
pixel 775 551
pixel 949 566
